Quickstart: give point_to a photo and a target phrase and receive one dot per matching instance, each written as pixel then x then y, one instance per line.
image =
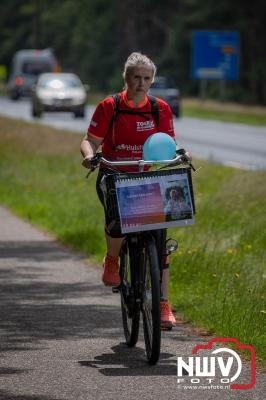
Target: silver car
pixel 59 92
pixel 162 88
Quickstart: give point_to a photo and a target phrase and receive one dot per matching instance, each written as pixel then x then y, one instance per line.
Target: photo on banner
pixel 154 202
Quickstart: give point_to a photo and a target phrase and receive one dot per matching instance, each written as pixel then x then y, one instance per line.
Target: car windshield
pixel 35 67
pixel 59 83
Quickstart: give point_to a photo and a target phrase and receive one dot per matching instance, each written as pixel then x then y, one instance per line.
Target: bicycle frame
pixel 140 291
pixel 139 241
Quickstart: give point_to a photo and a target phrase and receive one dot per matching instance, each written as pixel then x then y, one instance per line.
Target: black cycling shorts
pixel 112 225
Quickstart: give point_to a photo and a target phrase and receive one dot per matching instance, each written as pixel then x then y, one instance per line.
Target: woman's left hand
pixel 188 156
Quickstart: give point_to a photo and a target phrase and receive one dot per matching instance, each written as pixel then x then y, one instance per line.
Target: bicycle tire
pixel 129 308
pixel 151 303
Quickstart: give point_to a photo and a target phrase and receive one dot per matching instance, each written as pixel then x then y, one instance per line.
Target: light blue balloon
pixel 159 146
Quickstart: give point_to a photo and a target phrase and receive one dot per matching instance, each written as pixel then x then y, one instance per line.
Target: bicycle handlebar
pixel 179 159
pixel 141 163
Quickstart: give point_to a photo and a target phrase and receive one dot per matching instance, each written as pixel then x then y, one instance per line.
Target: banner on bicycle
pixel 155 201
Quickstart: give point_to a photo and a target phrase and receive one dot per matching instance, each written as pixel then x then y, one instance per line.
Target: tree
pixel 94 37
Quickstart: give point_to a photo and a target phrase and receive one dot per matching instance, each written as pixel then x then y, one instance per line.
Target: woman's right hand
pixel 87 162
pixel 88 148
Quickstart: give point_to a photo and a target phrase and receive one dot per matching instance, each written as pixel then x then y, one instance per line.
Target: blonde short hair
pixel 136 59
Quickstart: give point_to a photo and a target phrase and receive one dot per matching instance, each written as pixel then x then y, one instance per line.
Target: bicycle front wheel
pixel 151 303
pixel 130 310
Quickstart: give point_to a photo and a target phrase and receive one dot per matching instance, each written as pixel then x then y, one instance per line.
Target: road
pixel 61 333
pixel 237 145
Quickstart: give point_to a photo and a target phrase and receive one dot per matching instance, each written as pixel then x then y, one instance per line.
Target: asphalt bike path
pixel 61 335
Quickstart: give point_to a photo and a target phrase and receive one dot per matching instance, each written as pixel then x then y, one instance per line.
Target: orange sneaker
pixel 167 317
pixel 110 275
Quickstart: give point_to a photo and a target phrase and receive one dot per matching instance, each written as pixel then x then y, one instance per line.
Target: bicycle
pixel 141 260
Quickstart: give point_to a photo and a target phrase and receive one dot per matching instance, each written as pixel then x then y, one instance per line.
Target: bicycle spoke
pixel 148 318
pixel 130 315
pixel 151 303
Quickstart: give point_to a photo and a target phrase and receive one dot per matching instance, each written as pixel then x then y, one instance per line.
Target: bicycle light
pixel 171 245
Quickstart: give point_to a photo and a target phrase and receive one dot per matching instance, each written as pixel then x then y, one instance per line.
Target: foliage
pixel 94 37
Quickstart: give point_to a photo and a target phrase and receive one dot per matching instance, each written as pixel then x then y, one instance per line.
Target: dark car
pixel 59 92
pixel 162 88
pixel 26 66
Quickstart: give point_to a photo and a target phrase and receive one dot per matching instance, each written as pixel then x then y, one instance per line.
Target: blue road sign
pixel 215 55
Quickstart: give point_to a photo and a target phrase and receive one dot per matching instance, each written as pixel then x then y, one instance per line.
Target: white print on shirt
pixel 129 147
pixel 93 123
pixel 144 125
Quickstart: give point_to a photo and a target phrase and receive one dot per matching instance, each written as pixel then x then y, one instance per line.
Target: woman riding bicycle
pixel 122 136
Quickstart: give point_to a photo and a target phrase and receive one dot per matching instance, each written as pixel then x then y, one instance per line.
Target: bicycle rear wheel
pixel 130 310
pixel 151 303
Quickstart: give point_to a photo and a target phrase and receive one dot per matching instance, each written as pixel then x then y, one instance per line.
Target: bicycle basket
pixel 150 200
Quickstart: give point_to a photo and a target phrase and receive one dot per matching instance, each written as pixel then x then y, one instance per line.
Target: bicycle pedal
pixel 115 289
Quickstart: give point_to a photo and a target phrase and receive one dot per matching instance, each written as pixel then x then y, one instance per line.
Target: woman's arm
pixel 88 148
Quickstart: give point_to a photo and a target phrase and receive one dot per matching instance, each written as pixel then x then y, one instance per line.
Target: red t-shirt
pixel 125 139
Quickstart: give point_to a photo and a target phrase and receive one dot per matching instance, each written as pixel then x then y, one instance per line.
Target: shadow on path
pixel 10 396
pixel 33 250
pixel 125 361
pixel 35 304
pixel 35 307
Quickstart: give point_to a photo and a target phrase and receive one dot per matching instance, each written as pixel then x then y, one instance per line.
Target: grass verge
pixel 226 112
pixel 217 275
